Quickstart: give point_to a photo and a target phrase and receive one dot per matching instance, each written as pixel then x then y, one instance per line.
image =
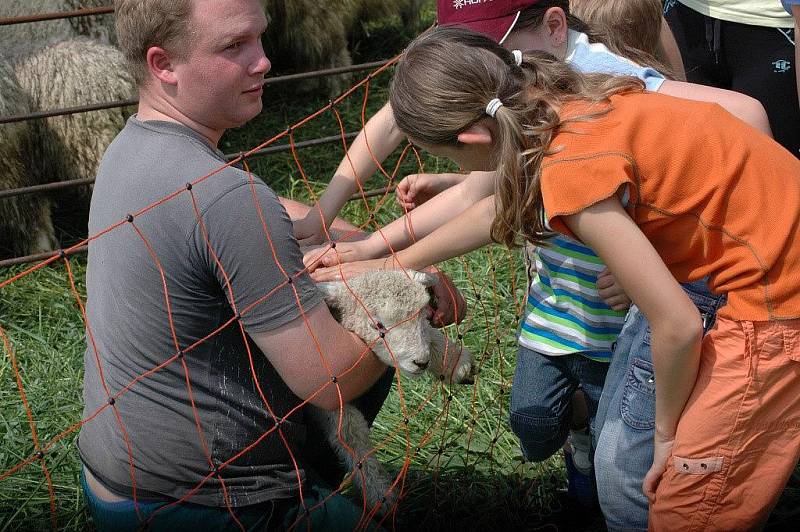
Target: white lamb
pixel 387 310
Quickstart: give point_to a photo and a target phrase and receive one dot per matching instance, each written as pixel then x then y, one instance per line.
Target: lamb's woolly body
pixel 391 303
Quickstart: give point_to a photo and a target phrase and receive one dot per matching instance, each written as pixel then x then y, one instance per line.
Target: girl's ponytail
pixel 443 85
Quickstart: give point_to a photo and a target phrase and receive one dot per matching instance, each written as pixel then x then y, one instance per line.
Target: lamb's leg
pixel 370 477
pixel 457 368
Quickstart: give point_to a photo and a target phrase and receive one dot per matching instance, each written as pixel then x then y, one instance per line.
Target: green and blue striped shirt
pixel 564 313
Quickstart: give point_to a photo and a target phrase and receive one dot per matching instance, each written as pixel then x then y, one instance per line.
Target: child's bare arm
pixel 743 107
pixel 418 223
pixel 416 189
pixel 674 321
pixel 469 231
pixel 380 136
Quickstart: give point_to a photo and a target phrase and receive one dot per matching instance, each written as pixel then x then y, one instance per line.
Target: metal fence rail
pixel 61 185
pixel 41 17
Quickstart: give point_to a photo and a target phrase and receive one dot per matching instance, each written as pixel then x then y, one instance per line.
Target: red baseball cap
pixel 494 18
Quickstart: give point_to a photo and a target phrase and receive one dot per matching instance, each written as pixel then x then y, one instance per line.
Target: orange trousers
pixel 738 439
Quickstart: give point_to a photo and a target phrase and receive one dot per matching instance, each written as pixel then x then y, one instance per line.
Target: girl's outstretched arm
pixel 415 225
pixel 380 136
pixel 468 231
pixel 674 321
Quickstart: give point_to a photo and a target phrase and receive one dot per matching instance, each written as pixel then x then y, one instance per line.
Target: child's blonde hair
pixel 630 28
pixel 442 86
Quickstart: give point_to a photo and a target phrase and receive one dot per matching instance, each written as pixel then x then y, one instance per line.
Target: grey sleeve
pixel 257 267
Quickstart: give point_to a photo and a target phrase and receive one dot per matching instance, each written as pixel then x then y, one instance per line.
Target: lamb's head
pixel 388 310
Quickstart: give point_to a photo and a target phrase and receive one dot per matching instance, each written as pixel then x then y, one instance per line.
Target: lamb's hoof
pixel 459 376
pixel 465 370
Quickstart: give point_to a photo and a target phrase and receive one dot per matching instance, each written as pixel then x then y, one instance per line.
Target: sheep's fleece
pixel 387 310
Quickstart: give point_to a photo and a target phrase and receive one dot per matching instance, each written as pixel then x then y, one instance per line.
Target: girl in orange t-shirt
pixel 587 155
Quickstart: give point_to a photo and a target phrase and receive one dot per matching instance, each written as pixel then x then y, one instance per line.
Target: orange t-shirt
pixel 715 197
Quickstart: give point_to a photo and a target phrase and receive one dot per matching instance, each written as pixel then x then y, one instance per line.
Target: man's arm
pixel 743 107
pixel 310 350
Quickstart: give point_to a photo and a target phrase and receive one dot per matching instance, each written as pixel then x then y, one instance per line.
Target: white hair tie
pixel 517 57
pixel 493 106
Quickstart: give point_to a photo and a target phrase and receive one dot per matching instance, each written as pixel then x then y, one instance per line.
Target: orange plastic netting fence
pixel 489 297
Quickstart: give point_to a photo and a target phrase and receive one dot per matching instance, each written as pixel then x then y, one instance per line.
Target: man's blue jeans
pixel 541 398
pixel 625 421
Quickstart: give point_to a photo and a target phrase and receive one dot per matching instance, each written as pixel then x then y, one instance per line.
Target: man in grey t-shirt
pixel 200 349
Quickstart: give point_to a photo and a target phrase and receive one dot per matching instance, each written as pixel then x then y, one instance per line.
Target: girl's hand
pixel 351 269
pixel 416 189
pixel 324 256
pixel 662 448
pixel 611 292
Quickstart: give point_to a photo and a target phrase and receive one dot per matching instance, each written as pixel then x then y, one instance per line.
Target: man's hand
pixel 662 447
pixel 416 189
pixel 308 230
pixel 448 305
pixel 611 292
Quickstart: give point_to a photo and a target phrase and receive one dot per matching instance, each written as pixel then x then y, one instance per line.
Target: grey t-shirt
pixel 129 324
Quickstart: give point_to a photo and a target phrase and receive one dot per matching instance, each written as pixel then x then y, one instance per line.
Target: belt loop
pixel 749 346
pixel 749 338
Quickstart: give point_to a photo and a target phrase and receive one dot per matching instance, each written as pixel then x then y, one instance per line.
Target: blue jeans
pixel 541 398
pixel 625 421
pixel 337 513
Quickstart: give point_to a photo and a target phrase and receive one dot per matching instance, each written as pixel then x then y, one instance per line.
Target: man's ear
pixel 160 65
pixel 476 134
pixel 555 21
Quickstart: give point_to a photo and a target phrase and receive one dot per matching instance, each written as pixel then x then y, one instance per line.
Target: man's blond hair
pixel 142 24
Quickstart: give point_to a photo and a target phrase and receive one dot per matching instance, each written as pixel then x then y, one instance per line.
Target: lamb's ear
pixel 331 291
pixel 425 279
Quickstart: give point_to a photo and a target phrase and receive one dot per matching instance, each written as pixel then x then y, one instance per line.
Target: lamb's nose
pixel 421 365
